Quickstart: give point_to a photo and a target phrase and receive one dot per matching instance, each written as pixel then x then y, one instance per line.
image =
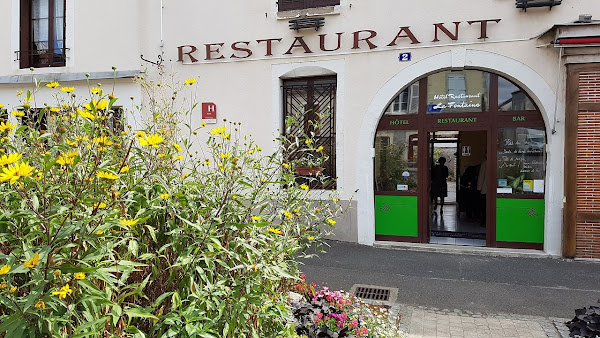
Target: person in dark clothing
pixel 470 199
pixel 439 184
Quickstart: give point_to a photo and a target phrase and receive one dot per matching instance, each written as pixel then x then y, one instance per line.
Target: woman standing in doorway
pixel 439 184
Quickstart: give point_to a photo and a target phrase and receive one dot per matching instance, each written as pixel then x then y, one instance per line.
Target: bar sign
pixel 209 112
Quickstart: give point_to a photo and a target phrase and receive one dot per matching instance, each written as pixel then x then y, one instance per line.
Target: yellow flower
pixel 100 105
pixel 4 270
pixel 152 140
pixel 33 261
pixel 86 114
pixel 207 162
pixel 79 275
pixel 176 146
pixel 178 157
pixel 258 149
pixel 311 238
pixel 124 169
pixel 99 232
pixel 217 131
pixel 102 140
pixel 226 136
pixel 164 196
pixel 19 93
pixel 250 152
pixel 17 113
pixel 128 222
pixel 288 214
pixel 317 210
pixel 275 231
pixel 100 205
pixel 39 176
pixel 63 292
pixel 335 199
pixel 331 222
pixel 52 84
pixel 125 132
pixel 285 165
pixel 4 126
pixel 256 218
pixel 202 124
pixel 3 285
pixel 13 289
pixel 140 134
pixel 13 173
pixel 304 187
pixel 71 143
pixel 40 305
pixel 161 155
pixel 227 155
pixel 308 141
pixel 319 149
pixel 190 81
pixel 26 105
pixel 1 106
pixel 81 138
pixel 68 158
pixel 67 89
pixel 107 175
pixel 184 176
pixel 96 90
pixel 10 159
pixel 54 109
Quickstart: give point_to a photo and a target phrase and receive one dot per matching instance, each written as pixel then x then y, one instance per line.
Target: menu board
pixel 521 160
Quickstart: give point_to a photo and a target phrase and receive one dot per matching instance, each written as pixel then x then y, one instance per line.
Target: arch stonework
pixel 538 89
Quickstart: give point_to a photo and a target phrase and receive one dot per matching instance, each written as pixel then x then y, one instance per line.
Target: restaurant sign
pixel 366 39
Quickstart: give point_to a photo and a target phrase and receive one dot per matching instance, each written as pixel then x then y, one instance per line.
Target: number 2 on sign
pixel 404 57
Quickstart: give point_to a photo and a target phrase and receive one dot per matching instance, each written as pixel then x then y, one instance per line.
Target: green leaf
pixel 176 300
pixel 137 312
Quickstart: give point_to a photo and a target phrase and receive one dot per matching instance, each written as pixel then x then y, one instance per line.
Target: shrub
pixel 146 233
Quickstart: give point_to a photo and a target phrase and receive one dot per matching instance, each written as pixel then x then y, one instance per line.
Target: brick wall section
pixel 589 87
pixel 588 166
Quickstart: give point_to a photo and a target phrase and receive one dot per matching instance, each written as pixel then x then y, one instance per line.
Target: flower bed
pixel 327 313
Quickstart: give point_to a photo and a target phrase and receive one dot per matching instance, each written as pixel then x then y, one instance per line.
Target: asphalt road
pixel 531 286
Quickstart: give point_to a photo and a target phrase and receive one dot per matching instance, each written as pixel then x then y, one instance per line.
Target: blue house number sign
pixel 404 57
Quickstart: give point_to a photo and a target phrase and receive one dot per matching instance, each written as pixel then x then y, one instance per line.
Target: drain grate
pixel 372 293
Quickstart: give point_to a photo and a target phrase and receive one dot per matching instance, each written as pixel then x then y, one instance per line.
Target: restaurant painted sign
pixel 359 40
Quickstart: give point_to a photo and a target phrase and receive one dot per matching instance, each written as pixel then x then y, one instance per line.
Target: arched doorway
pixel 493 138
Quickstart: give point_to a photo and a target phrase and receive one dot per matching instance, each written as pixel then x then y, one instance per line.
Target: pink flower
pixel 319 315
pixel 302 276
pixel 354 323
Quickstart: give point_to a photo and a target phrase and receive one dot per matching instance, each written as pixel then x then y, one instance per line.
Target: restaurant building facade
pixel 507 93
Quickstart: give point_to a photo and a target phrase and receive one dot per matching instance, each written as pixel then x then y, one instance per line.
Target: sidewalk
pixel 422 322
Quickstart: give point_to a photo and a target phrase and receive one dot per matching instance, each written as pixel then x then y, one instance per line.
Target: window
pixel 396 161
pixel 42 33
pixel 407 102
pixel 310 101
pixel 288 5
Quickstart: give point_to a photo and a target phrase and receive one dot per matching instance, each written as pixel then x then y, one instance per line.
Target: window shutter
pixel 25 32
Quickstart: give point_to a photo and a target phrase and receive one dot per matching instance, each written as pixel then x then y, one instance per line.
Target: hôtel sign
pixel 360 40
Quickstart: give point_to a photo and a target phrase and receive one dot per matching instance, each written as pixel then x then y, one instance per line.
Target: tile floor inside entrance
pixel 452 227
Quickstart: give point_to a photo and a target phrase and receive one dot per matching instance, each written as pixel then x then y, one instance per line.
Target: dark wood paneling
pixel 570 216
pixel 581 67
pixel 589 106
pixel 520 245
pixel 391 238
pixel 588 216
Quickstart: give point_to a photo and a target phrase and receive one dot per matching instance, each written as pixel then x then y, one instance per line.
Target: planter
pixel 308 171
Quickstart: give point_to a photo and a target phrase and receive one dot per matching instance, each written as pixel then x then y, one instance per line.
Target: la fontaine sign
pixel 361 39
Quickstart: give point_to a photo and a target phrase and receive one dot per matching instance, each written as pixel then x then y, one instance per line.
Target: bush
pixel 586 322
pixel 109 231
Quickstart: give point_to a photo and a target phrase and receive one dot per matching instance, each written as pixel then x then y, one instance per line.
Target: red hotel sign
pixel 359 39
pixel 209 112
